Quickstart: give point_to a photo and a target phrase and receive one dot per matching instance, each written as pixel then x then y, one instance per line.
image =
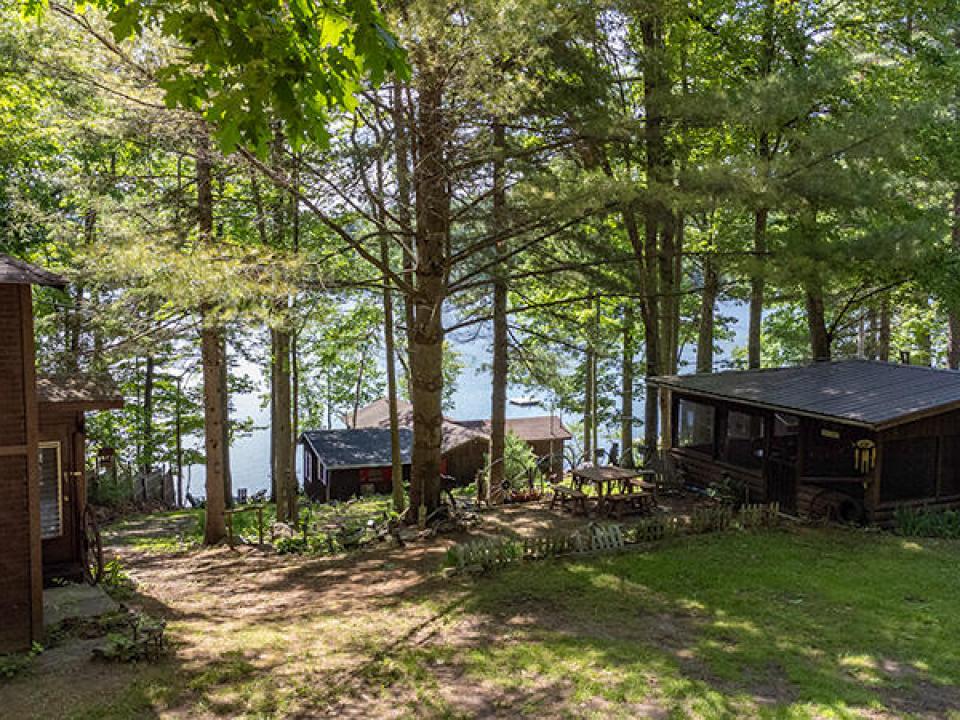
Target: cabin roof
pixel 867 393
pixel 529 429
pixel 357 447
pixel 376 414
pixel 18 272
pixel 80 391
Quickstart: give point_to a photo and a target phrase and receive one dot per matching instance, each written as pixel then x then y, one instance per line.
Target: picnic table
pixel 618 489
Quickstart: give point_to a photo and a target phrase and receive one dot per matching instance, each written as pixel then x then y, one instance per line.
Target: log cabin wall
pixel 464 461
pixel 920 466
pixel 21 591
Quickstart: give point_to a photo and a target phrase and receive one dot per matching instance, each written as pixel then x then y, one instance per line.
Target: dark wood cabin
pixel 341 464
pixel 545 434
pixel 852 439
pixel 465 443
pixel 63 403
pixel 21 591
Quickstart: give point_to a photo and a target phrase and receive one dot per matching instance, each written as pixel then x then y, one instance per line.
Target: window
pixel 695 422
pixel 909 469
pixel 51 492
pixel 744 441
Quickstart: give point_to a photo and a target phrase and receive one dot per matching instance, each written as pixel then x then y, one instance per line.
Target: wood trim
pixel 33 466
pixel 13 450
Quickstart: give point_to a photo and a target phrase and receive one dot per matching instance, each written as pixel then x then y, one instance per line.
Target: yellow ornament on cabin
pixel 864 455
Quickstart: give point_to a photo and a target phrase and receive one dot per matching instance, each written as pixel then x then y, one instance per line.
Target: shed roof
pixel 357 447
pixel 18 272
pixel 83 392
pixel 867 393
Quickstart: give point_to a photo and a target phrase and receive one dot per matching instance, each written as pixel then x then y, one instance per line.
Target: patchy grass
pixel 182 530
pixel 787 624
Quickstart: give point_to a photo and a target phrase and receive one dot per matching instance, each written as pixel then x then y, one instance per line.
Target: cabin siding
pixel 945 429
pixel 61 555
pixel 21 589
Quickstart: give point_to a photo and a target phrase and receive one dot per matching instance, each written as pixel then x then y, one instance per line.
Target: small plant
pixel 116 581
pixel 15 664
pixel 142 639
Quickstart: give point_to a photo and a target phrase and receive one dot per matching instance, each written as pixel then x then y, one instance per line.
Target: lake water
pixel 250 456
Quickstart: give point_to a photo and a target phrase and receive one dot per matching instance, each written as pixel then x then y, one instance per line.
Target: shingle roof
pixel 376 414
pixel 18 272
pixel 860 392
pixel 86 393
pixel 458 432
pixel 357 447
pixel 531 429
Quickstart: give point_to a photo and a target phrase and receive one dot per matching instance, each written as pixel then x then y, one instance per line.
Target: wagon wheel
pixel 91 547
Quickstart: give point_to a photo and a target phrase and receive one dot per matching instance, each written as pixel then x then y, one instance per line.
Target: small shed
pixel 854 439
pixel 339 464
pixel 63 403
pixel 21 591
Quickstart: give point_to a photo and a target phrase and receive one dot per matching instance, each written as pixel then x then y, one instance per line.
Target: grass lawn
pixel 784 624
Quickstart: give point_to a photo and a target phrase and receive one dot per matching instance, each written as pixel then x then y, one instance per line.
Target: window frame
pixel 714 425
pixel 58 446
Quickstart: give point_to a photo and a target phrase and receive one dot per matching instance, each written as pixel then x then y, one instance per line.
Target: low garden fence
pixel 480 555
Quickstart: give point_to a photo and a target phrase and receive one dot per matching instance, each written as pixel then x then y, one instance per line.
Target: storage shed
pixel 855 439
pixel 21 592
pixel 339 464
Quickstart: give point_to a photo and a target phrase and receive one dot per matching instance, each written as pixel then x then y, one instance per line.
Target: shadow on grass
pixel 785 624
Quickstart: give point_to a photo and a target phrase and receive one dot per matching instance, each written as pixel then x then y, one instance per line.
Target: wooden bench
pixel 566 494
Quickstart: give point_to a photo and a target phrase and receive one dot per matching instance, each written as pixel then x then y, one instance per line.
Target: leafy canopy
pixel 245 64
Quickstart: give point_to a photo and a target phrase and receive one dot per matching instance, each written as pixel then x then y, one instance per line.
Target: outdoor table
pixel 628 482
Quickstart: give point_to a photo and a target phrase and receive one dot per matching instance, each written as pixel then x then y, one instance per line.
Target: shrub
pixel 923 522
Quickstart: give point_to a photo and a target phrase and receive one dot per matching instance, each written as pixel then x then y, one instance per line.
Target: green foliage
pixel 116 581
pixel 16 664
pixel 519 462
pixel 247 65
pixel 924 522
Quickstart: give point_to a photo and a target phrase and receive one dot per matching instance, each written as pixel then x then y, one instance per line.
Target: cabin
pixel 63 403
pixel 340 464
pixel 545 434
pixel 466 443
pixel 851 439
pixel 21 592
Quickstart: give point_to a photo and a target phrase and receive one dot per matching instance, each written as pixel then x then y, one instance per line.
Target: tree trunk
pixel 626 390
pixel 657 167
pixel 404 214
pixel 426 342
pixel 212 359
pixel 953 351
pixel 708 303
pixel 589 452
pixel 283 469
pixel 757 286
pixel 820 340
pixel 148 415
pixel 883 341
pixel 225 445
pixel 211 350
pixel 396 459
pixel 498 399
